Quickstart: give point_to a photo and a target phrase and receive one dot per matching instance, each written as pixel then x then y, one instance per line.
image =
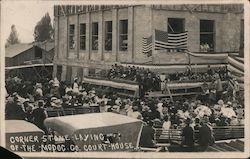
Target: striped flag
pixel 147 45
pixel 165 40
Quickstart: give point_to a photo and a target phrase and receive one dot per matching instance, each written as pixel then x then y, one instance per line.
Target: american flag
pixel 147 45
pixel 165 40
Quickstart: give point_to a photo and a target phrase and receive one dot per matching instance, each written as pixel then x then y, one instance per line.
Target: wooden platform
pixel 159 94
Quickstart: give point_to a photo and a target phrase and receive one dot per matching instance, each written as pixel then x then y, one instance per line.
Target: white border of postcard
pixel 244 154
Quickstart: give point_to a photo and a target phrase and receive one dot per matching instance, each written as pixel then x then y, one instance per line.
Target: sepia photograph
pixel 145 79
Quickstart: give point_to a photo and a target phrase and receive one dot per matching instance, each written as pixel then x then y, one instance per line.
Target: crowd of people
pixel 148 80
pixel 215 106
pixel 30 101
pixel 151 81
pixel 192 75
pixel 205 47
pixel 140 74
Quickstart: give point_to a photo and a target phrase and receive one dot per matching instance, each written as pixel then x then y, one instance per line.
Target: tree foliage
pixel 13 37
pixel 43 29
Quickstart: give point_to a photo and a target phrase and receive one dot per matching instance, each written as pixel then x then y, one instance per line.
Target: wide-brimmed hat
pixel 229 103
pixel 220 102
pixel 53 98
pixel 38 85
pixel 217 107
pixel 55 84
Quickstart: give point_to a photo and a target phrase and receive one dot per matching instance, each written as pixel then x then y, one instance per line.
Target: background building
pixel 92 38
pixel 29 53
pixel 30 60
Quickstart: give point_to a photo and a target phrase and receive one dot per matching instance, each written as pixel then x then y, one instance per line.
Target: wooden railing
pixel 55 112
pixel 220 133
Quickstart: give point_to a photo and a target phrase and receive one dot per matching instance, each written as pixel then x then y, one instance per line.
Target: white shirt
pixel 134 115
pixel 159 108
pixel 67 89
pixel 166 125
pixel 39 92
pixel 75 87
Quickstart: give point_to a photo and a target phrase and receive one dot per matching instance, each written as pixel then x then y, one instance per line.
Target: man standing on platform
pixel 218 86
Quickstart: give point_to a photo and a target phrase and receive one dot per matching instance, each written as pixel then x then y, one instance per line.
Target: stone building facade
pixel 92 38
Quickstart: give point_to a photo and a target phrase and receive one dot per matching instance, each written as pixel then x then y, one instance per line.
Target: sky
pixel 24 15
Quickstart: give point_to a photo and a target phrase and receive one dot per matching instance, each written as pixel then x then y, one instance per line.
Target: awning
pixel 21 134
pixel 27 66
pixel 99 131
pixel 113 84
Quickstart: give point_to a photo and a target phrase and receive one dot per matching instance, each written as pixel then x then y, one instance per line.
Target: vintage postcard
pixel 116 79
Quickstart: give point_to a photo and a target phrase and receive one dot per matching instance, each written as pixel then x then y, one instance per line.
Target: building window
pixel 59 72
pixel 123 35
pixel 72 36
pixel 176 25
pixel 82 36
pixel 80 73
pixel 207 34
pixel 69 73
pixel 108 35
pixel 95 36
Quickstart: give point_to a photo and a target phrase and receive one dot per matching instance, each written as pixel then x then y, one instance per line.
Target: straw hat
pixel 220 102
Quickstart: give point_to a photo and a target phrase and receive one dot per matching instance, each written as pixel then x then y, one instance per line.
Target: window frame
pixel 94 36
pixel 207 33
pixel 82 35
pixel 108 34
pixel 72 45
pixel 169 25
pixel 122 35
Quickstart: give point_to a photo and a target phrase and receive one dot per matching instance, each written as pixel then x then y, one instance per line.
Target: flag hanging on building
pixel 165 40
pixel 147 45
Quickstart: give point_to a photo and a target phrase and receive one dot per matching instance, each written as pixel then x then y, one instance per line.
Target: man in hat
pixel 188 136
pixel 14 110
pixel 234 121
pixel 56 82
pixel 54 90
pixel 68 88
pixel 147 135
pixel 236 89
pixel 28 107
pixel 103 107
pixel 166 123
pixel 115 109
pixel 39 115
pixel 38 91
pixel 221 103
pixel 218 87
pixel 205 136
pixel 135 114
pixel 55 102
pixel 75 87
